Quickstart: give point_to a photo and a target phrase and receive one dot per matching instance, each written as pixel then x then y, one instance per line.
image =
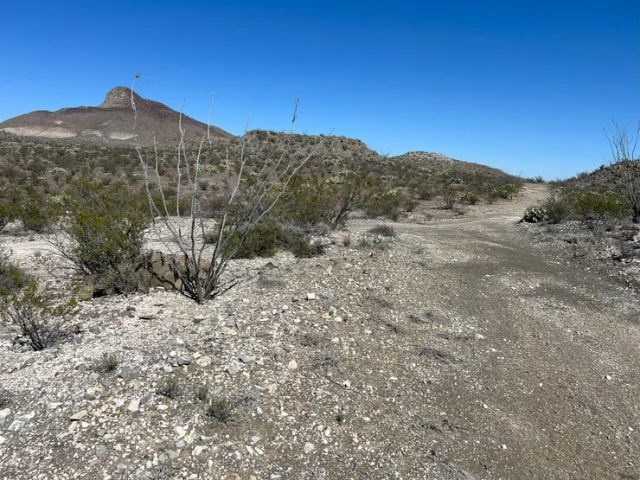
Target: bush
pixel 107 363
pixel 106 227
pixel 12 279
pixel 304 248
pixel 32 310
pixel 592 205
pixel 7 214
pixel 260 241
pixel 449 197
pixel 556 209
pixel 507 192
pixel 389 203
pixel 585 205
pixel 170 388
pixel 469 198
pixel 36 216
pixel 220 409
pixel 317 200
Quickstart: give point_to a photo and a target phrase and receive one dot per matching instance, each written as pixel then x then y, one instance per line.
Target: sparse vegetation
pixel 37 317
pixel 202 393
pixel 106 227
pixel 12 279
pixel 220 409
pixel 5 398
pixel 108 363
pixel 170 388
pixel 583 205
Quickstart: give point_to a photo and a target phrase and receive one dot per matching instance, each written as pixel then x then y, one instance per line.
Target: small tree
pixel 623 153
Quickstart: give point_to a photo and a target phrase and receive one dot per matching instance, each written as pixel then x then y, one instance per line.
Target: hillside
pixel 112 122
pixel 605 178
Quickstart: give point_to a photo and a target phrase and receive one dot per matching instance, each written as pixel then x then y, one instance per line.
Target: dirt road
pixel 555 382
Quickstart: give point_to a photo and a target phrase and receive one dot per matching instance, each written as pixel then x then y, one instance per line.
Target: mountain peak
pixel 113 121
pixel 119 97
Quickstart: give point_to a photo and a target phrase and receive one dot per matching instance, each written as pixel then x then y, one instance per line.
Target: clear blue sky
pixel 522 85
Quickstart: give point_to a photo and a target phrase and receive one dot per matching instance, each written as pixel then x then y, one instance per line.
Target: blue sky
pixel 521 85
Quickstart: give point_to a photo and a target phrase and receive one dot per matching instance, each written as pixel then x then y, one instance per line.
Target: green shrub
pixel 303 248
pixel 449 197
pixel 12 279
pixel 35 209
pixel 592 205
pixel 584 205
pixel 556 208
pixel 7 213
pixel 106 226
pixel 260 241
pixel 33 311
pixel 423 191
pixel 314 200
pixel 508 191
pixel 389 203
pixel 307 201
pixel 469 198
pixel 220 409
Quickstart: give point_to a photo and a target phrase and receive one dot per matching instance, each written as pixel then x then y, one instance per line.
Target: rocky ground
pixel 458 349
pixel 610 247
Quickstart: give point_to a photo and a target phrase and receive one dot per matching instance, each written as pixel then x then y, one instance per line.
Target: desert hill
pixel 605 178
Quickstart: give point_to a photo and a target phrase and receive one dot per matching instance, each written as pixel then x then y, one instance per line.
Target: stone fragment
pixel 78 416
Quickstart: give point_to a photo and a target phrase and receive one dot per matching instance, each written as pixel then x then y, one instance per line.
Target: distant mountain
pixel 113 122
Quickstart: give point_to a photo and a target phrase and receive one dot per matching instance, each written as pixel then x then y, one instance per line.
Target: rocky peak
pixel 119 97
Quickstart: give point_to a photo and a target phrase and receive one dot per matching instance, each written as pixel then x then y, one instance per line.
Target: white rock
pixel 2 439
pixel 310 296
pixel 16 425
pixel 233 368
pixel 78 416
pixel 53 405
pixel 134 405
pixel 198 450
pixel 5 412
pixel 292 365
pixel 203 361
pixel 309 447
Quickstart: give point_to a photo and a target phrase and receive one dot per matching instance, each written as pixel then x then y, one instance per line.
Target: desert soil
pixel 456 350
